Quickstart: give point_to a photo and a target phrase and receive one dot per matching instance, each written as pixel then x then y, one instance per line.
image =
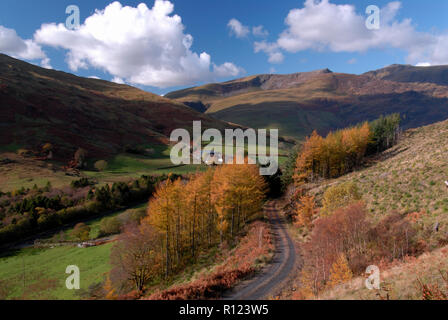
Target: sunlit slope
pixel 40 106
pixel 322 100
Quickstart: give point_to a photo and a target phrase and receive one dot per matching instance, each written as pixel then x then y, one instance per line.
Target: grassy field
pixel 25 172
pixel 40 273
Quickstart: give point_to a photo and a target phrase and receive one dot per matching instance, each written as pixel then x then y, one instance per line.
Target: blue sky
pixel 307 44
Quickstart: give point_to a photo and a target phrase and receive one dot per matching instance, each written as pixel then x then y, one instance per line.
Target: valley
pixel 92 168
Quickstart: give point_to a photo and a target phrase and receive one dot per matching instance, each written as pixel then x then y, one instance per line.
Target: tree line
pixel 38 210
pixel 343 150
pixel 185 219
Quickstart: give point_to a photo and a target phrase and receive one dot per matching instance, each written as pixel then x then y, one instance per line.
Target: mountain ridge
pixel 324 100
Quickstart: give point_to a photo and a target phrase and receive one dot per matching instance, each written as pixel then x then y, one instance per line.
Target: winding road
pixel 272 277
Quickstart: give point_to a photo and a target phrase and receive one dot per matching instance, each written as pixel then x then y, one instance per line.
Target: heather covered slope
pixel 322 100
pixel 39 106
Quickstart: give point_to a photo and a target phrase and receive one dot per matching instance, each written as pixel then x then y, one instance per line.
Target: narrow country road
pixel 265 284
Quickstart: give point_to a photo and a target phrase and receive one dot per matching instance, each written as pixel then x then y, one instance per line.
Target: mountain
pixel 301 102
pixel 39 106
pixel 408 73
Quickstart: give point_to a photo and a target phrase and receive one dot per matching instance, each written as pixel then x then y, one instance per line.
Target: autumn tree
pixel 306 210
pixel 214 205
pixel 330 157
pixel 346 232
pixel 238 193
pixel 80 157
pixel 135 258
pixel 340 271
pixel 339 196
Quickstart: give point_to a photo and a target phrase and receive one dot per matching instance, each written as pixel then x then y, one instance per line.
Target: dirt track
pixel 272 278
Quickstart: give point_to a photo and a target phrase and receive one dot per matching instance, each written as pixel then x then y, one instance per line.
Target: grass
pixel 95 224
pixel 44 271
pixel 122 167
pixel 26 172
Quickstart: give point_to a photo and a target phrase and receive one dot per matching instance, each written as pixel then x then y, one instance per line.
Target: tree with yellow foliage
pixel 340 271
pixel 192 214
pixel 339 196
pixel 330 157
pixel 238 192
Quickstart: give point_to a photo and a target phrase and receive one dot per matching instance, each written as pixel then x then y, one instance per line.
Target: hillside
pixel 407 178
pixel 41 106
pixel 323 100
pixel 401 281
pixel 408 73
pixel 397 219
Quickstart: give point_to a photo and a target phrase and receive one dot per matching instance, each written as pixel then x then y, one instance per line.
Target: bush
pixel 81 232
pixel 339 196
pixel 394 237
pixel 101 165
pixel 109 226
pixel 81 183
pixel 133 216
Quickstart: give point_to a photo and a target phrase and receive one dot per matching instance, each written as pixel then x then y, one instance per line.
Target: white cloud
pixel 323 26
pixel 352 61
pixel 271 49
pixel 227 69
pixel 139 45
pixel 423 64
pixel 238 29
pixel 118 80
pixel 259 31
pixel 11 44
pixel 94 77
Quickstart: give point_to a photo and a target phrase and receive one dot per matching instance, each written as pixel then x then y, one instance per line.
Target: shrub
pixel 133 216
pixel 344 232
pixel 101 165
pixel 81 232
pixel 394 237
pixel 109 226
pixel 339 196
pixel 81 183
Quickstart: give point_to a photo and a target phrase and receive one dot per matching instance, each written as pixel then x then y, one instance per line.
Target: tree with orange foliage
pixel 340 271
pixel 306 210
pixel 330 157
